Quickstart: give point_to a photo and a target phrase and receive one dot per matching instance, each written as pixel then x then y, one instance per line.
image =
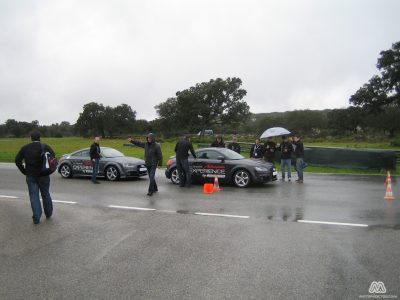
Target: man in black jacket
pixel 234 146
pixel 31 154
pixel 153 158
pixel 257 150
pixel 182 149
pixel 270 149
pixel 95 158
pixel 286 149
pixel 218 143
pixel 299 153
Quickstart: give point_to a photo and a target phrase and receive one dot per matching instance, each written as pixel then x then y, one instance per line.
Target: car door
pixel 212 166
pixel 86 163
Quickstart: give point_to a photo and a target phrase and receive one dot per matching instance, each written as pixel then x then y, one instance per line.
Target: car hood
pixel 126 160
pixel 254 162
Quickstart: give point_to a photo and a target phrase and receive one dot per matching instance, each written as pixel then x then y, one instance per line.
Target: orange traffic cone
pixel 389 191
pixel 208 188
pixel 216 184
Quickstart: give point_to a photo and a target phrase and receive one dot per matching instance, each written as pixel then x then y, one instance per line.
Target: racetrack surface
pixel 111 241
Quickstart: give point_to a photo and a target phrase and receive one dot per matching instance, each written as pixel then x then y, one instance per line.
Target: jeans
pixel 151 170
pixel 184 172
pixel 42 184
pixel 299 167
pixel 95 165
pixel 286 163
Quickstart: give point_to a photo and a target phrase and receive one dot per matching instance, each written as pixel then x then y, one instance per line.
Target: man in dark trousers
pixel 153 158
pixel 286 149
pixel 218 143
pixel 257 150
pixel 182 149
pixel 299 153
pixel 270 149
pixel 31 154
pixel 234 146
pixel 95 158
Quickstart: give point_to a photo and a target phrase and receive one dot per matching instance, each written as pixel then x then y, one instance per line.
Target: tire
pixel 65 171
pixel 242 178
pixel 175 176
pixel 112 173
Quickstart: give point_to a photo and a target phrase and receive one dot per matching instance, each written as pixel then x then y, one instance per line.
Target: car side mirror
pixel 221 158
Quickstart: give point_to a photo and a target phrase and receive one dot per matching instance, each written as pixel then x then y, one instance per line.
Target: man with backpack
pixel 286 149
pixel 35 156
pixel 95 158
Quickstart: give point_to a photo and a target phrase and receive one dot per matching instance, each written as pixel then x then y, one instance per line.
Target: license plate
pixel 142 169
pixel 275 173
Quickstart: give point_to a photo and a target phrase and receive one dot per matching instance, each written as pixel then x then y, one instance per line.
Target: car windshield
pixel 230 154
pixel 109 152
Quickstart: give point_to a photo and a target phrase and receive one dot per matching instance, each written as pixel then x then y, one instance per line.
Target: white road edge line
pixel 131 207
pixel 67 202
pixel 8 197
pixel 332 223
pixel 221 215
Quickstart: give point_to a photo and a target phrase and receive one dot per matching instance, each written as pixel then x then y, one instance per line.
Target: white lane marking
pixel 8 197
pixel 332 223
pixel 131 207
pixel 221 215
pixel 67 202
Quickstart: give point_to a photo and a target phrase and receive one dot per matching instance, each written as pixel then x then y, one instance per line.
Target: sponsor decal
pixel 377 290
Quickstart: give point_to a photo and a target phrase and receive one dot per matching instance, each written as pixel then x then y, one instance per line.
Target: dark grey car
pixel 227 165
pixel 113 164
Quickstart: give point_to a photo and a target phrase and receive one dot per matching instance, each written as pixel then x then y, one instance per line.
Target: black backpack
pixel 49 162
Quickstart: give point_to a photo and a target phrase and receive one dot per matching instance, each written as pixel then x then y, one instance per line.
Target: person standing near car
pixel 234 145
pixel 95 158
pixel 286 149
pixel 299 153
pixel 153 158
pixel 270 149
pixel 218 143
pixel 182 149
pixel 31 154
pixel 257 150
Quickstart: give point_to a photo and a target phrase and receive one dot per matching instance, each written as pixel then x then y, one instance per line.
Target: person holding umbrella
pixel 270 149
pixel 286 149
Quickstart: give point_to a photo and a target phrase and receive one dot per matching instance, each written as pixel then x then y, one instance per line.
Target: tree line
pixel 219 105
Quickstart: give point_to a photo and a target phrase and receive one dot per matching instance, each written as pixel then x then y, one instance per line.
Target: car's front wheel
pixel 175 176
pixel 242 178
pixel 65 171
pixel 112 173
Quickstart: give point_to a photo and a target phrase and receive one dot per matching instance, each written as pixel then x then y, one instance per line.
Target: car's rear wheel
pixel 175 176
pixel 242 178
pixel 65 171
pixel 112 173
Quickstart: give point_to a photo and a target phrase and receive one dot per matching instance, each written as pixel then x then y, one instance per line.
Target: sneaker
pixel 150 194
pixel 299 181
pixel 36 221
pixel 289 179
pixel 283 179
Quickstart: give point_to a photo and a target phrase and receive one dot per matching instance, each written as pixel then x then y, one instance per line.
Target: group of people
pixel 31 155
pixel 290 146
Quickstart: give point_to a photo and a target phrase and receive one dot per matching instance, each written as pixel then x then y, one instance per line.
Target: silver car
pixel 113 164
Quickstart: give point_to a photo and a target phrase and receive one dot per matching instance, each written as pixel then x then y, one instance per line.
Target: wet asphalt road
pixel 90 250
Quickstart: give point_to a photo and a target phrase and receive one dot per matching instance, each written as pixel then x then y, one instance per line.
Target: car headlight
pixel 127 165
pixel 261 169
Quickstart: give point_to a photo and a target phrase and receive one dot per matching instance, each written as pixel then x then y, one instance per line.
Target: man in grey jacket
pixel 152 157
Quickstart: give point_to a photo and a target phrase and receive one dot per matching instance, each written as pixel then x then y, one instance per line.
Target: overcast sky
pixel 55 56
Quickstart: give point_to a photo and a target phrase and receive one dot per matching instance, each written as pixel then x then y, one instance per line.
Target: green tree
pixel 91 121
pixel 204 105
pixel 382 90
